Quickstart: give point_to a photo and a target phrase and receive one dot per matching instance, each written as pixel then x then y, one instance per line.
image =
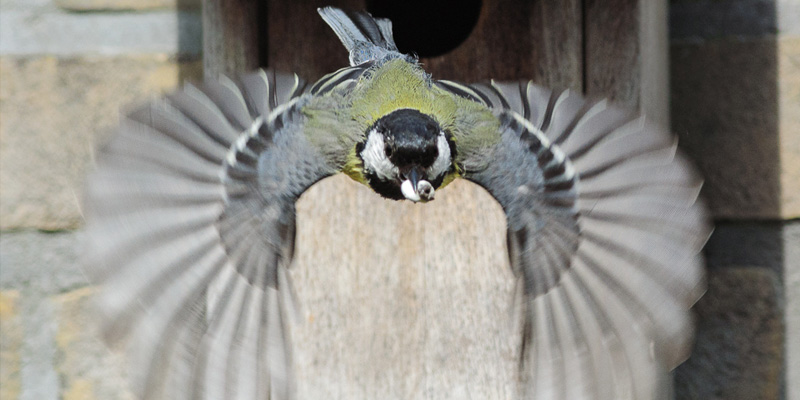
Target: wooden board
pixel 513 40
pixel 407 301
pixel 626 54
pixel 233 36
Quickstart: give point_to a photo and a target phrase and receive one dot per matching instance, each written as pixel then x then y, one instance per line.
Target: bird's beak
pixel 415 189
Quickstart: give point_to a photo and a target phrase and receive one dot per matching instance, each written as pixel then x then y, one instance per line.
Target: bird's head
pixel 406 155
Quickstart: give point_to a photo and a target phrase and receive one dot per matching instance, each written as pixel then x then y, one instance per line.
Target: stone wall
pixel 67 66
pixel 735 97
pixel 64 76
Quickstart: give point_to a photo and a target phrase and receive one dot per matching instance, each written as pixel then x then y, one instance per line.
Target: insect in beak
pixel 416 189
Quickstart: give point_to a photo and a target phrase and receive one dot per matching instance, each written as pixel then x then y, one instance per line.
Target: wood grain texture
pixel 232 36
pixel 405 300
pixel 654 39
pixel 500 46
pixel 538 40
pixel 557 45
pixel 300 42
pixel 413 301
pixel 626 54
pixel 612 50
pixel 400 300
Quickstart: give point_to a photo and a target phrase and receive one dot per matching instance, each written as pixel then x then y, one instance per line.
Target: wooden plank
pixel 300 42
pixel 626 54
pixel 625 58
pixel 539 40
pixel 392 291
pixel 498 48
pixel 557 30
pixel 408 300
pixel 654 64
pixel 612 50
pixel 232 36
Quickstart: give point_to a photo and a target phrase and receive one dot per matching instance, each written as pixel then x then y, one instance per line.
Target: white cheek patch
pixel 442 163
pixel 375 159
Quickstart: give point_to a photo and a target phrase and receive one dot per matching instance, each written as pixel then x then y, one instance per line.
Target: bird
pixel 190 218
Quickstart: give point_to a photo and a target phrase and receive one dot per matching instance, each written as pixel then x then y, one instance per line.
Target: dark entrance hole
pixel 428 28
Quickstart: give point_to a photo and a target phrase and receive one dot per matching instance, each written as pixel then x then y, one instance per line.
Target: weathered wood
pixel 612 50
pixel 654 61
pixel 538 40
pixel 412 301
pixel 407 300
pixel 500 46
pixel 232 36
pixel 300 42
pixel 557 30
pixel 625 58
pixel 626 54
pixel 400 300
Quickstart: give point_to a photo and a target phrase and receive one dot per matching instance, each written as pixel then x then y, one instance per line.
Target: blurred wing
pixel 604 234
pixel 191 224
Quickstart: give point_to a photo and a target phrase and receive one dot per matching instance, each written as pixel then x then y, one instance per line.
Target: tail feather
pixel 385 26
pixel 365 37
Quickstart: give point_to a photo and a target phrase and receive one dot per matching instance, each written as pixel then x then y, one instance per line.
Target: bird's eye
pixel 388 150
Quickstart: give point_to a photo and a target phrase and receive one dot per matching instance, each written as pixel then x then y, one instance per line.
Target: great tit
pixel 191 217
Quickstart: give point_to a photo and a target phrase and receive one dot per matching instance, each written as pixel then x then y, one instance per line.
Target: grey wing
pixel 191 223
pixel 605 231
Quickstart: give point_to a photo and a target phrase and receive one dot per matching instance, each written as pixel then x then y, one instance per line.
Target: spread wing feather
pixel 604 233
pixel 190 236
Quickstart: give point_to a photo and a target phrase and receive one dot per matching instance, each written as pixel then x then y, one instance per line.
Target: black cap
pixel 410 138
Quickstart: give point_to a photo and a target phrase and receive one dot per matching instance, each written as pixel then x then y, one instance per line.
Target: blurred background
pixel 725 74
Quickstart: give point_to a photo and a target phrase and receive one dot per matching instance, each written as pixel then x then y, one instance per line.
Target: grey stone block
pixel 748 323
pixel 705 19
pixel 791 282
pixel 49 345
pixel 86 368
pixel 738 354
pixel 55 112
pixel 43 29
pixel 40 263
pixel 754 244
pixel 734 106
pixel 10 344
pixel 134 5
